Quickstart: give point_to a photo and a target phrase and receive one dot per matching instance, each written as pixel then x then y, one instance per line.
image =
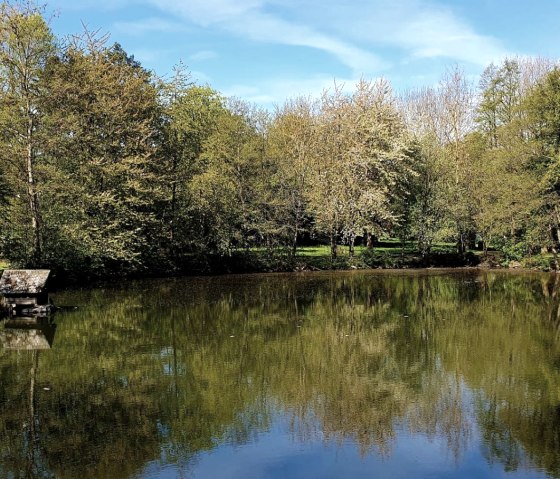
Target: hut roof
pixel 24 281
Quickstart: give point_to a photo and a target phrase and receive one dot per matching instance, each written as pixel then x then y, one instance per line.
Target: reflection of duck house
pixel 24 289
pixel 27 334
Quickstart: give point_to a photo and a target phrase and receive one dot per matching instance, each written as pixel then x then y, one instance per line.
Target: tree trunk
pixel 333 246
pixel 370 241
pixel 461 244
pixel 295 237
pixel 172 234
pixel 32 195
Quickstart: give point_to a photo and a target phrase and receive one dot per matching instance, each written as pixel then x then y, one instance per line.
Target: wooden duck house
pixel 24 290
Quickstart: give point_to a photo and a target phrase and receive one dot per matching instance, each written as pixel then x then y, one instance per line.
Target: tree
pixel 191 113
pixel 26 44
pixel 501 93
pixel 439 119
pixel 291 147
pixel 103 119
pixel 362 154
pixel 224 193
pixel 457 100
pixel 542 107
pixel 508 192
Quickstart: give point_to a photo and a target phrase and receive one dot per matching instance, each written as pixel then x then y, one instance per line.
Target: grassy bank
pixel 388 254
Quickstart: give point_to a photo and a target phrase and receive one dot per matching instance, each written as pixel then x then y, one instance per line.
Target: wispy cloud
pixel 149 25
pixel 250 19
pixel 203 55
pixel 270 92
pixel 367 38
pixel 354 32
pixel 419 28
pixel 436 32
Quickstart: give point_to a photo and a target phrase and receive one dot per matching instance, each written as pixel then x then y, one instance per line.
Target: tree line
pixel 104 167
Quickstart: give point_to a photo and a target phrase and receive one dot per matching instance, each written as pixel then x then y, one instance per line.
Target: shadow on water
pixel 163 372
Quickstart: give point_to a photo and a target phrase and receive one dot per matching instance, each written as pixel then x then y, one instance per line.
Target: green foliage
pixel 26 46
pixel 103 115
pixel 361 159
pixel 501 95
pixel 373 258
pixel 543 111
pixel 514 251
pixel 541 262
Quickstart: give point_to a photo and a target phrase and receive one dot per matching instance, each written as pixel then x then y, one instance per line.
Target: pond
pixel 356 374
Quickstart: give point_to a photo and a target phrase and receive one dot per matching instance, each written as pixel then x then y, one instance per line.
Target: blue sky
pixel 266 51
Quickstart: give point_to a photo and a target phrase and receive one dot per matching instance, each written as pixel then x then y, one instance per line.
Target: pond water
pixel 366 374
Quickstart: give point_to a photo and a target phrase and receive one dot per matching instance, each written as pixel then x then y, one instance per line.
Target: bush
pixel 372 258
pixel 541 262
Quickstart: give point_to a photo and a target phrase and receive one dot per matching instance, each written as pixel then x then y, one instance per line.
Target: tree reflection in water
pixel 165 370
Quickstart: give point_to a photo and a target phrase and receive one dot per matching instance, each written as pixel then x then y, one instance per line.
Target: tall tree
pixel 542 106
pixel 457 108
pixel 26 44
pixel 291 146
pixel 191 113
pixel 501 93
pixel 224 201
pixel 506 208
pixel 362 154
pixel 105 121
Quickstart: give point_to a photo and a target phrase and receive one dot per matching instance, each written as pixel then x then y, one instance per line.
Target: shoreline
pixel 261 263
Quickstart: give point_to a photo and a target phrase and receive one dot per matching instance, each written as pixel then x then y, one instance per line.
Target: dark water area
pixel 410 374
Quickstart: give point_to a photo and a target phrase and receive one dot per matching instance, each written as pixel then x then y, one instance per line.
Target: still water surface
pixel 330 375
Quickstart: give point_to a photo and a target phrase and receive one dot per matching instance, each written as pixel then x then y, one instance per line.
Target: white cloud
pixel 368 37
pixel 420 28
pixel 85 5
pixel 351 31
pixel 440 34
pixel 148 25
pixel 203 55
pixel 271 92
pixel 249 19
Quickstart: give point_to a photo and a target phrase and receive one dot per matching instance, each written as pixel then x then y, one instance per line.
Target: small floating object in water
pixel 46 389
pixel 232 336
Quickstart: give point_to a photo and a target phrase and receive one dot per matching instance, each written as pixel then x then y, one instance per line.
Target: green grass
pixel 325 250
pixel 389 245
pixel 387 253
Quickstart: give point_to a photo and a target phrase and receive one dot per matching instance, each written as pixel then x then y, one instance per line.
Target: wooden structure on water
pixel 25 291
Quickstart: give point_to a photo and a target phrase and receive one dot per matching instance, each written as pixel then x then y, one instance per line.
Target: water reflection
pixel 28 333
pixel 164 372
